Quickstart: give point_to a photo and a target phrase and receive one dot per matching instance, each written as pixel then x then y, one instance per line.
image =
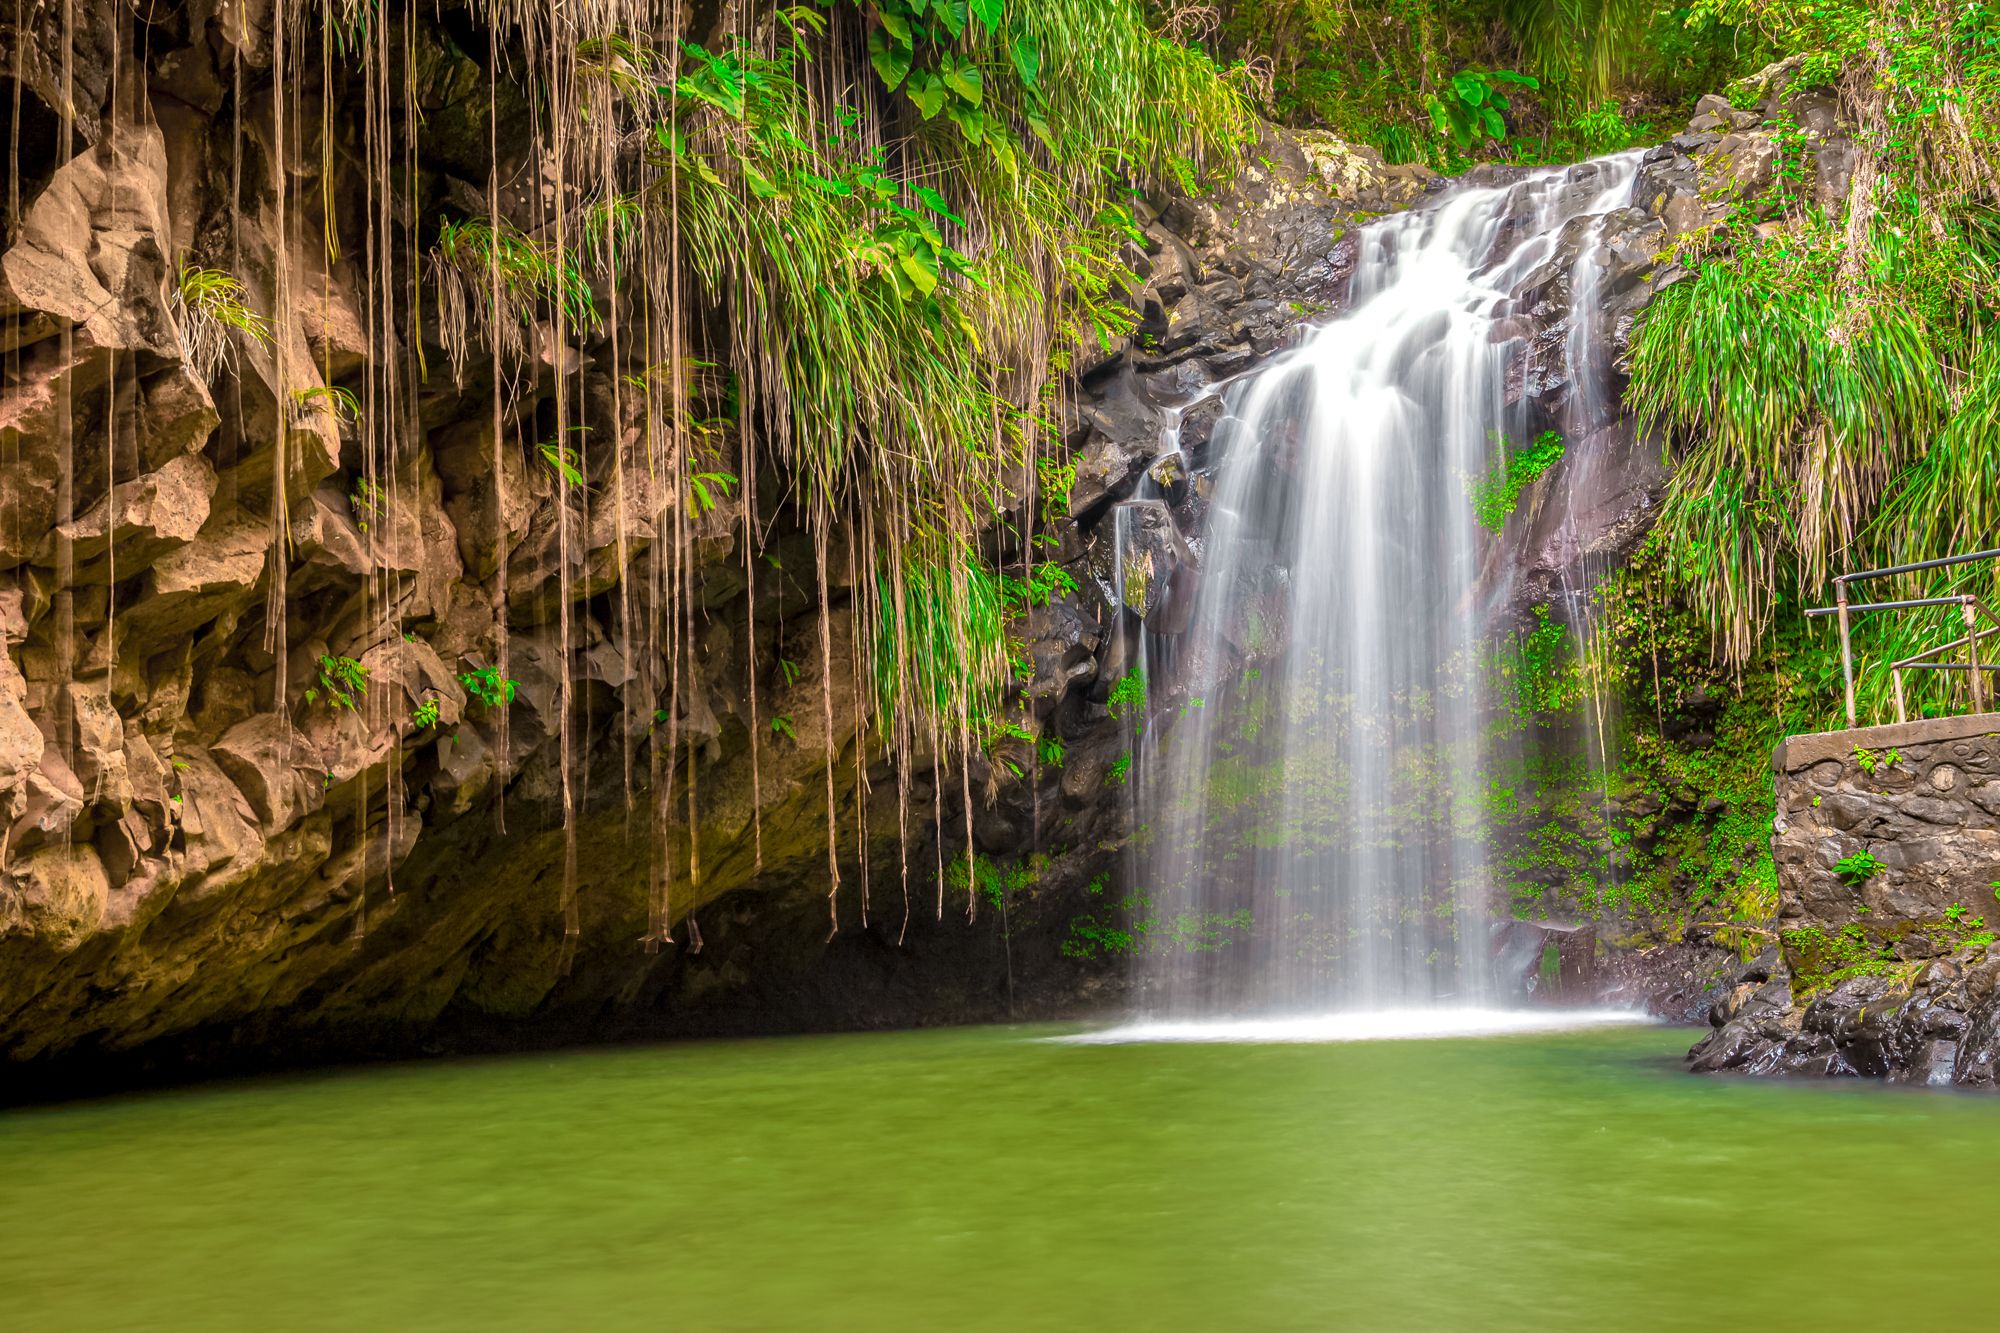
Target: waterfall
pixel 1312 800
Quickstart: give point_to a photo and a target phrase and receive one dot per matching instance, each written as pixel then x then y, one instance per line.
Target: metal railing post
pixel 1972 656
pixel 1846 647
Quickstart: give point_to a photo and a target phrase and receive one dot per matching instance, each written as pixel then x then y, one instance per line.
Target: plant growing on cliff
pixel 340 680
pixel 207 304
pixel 1128 697
pixel 425 715
pixel 1495 495
pixel 1120 767
pixel 364 498
pixel 704 487
pixel 334 399
pixel 1859 867
pixel 493 279
pixel 488 686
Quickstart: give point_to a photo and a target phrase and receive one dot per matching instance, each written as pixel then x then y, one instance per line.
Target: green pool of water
pixel 981 1179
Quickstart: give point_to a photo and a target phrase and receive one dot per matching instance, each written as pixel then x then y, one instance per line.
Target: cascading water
pixel 1313 822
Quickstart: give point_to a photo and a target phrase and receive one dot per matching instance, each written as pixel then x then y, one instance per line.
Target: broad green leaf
pixel 951 13
pixel 935 202
pixel 1494 125
pixel 924 225
pixel 760 185
pixel 1027 54
pixel 928 93
pixel 962 77
pixel 988 12
pixel 1038 125
pixel 923 277
pixel 890 58
pixel 896 25
pixel 970 123
pixel 824 186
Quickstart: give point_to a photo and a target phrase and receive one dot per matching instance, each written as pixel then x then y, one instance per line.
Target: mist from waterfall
pixel 1314 823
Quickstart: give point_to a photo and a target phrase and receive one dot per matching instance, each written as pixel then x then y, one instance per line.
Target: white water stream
pixel 1314 829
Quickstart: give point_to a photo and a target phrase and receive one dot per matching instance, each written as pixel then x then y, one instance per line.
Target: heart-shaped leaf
pixel 890 58
pixel 962 77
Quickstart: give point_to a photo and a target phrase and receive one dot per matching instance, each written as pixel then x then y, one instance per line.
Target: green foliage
pixel 704 487
pixel 1051 751
pixel 1089 938
pixel 940 642
pixel 1128 697
pixel 1868 761
pixel 1859 867
pixel 1495 495
pixel 1120 768
pixel 495 280
pixel 1796 403
pixel 364 498
pixel 781 725
pixel 562 460
pixel 1046 583
pixel 1369 72
pixel 208 304
pixel 1820 959
pixel 931 254
pixel 1603 129
pixel 995 882
pixel 424 715
pixel 340 680
pixel 488 686
pixel 1469 107
pixel 1058 479
pixel 340 402
pixel 1829 381
pixel 1537 669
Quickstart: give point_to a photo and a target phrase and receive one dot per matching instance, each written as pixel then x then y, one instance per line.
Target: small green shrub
pixel 1859 867
pixel 1128 695
pixel 340 680
pixel 425 715
pixel 1469 109
pixel 488 686
pixel 1122 765
pixel 1495 495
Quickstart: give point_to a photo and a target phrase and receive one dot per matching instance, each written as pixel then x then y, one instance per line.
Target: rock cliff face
pixel 1888 850
pixel 207 859
pixel 210 858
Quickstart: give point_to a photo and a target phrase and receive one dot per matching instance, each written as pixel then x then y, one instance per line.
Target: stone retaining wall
pixel 1887 843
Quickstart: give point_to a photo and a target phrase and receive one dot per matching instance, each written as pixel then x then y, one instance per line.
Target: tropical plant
pixel 340 681
pixel 488 686
pixel 1495 495
pixel 1859 867
pixel 1469 109
pixel 207 305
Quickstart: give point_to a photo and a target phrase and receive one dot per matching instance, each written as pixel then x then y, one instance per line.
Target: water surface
pixel 987 1179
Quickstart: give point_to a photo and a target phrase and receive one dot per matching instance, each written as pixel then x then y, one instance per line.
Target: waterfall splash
pixel 1314 822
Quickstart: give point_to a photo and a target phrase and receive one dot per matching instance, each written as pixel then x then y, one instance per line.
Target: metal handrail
pixel 1969 606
